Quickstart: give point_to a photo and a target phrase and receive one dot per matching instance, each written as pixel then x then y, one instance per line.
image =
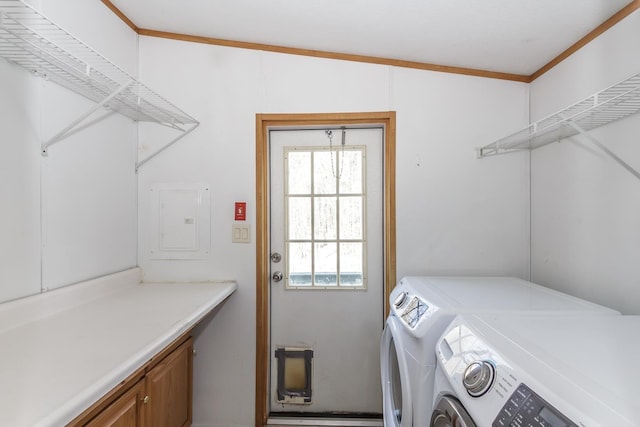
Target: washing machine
pixel 421 309
pixel 541 371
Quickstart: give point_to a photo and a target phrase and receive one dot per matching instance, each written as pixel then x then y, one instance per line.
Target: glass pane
pixel 299 226
pixel 351 218
pixel 295 379
pixel 351 178
pixel 395 383
pixel 324 181
pixel 351 264
pixel 325 218
pixel 326 263
pixel 299 172
pixel 299 264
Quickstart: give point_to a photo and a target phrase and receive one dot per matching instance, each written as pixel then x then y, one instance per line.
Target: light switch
pixel 241 233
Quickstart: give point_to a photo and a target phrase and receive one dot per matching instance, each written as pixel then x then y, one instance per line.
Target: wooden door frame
pixel 263 123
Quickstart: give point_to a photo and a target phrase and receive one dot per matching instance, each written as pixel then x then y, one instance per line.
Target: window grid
pixel 314 197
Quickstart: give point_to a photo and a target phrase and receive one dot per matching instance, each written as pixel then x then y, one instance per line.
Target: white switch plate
pixel 241 233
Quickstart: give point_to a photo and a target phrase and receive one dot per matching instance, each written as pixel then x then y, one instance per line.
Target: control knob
pixel 400 299
pixel 478 378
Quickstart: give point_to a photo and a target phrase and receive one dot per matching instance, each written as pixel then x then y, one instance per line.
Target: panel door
pixel 326 209
pixel 169 387
pixel 127 411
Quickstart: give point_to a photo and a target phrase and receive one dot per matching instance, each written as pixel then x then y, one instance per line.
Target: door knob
pixel 277 276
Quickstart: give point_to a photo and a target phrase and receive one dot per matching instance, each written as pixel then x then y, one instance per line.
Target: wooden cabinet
pixel 126 411
pixel 168 386
pixel 157 395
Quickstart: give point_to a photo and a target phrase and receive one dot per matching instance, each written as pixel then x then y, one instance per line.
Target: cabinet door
pixel 126 411
pixel 169 387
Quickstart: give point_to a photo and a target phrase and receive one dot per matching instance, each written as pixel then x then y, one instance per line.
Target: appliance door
pixel 396 392
pixel 449 412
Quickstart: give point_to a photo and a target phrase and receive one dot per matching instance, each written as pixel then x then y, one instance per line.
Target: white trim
pixel 312 422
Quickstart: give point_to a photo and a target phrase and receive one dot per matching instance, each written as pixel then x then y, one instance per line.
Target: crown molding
pixel 613 20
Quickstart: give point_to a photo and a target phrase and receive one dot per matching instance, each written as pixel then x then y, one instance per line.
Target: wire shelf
pixel 614 103
pixel 29 39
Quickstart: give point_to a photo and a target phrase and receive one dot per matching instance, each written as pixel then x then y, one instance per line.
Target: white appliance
pixel 422 307
pixel 534 370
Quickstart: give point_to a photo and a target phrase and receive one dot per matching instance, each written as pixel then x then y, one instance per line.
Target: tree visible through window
pixel 325 217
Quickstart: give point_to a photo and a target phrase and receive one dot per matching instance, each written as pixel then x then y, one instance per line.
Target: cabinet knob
pixel 145 400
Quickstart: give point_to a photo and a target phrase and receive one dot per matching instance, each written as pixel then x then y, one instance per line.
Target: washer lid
pixel 466 294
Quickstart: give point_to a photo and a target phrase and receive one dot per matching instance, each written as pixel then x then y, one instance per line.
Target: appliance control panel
pixel 412 310
pixel 494 390
pixel 526 408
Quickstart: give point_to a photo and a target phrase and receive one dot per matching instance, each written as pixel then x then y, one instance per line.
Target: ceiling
pixel 507 36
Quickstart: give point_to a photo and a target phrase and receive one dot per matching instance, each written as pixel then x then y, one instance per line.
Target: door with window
pixel 326 243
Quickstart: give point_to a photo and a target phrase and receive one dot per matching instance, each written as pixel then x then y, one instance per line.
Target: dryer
pixel 533 370
pixel 421 309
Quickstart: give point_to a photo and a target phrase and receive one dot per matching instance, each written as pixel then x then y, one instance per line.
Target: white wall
pixel 19 183
pixel 455 213
pixel 585 206
pixel 83 195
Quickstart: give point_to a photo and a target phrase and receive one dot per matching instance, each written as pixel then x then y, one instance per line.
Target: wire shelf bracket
pixel 609 105
pixel 61 135
pixel 29 39
pixel 167 145
pixel 608 152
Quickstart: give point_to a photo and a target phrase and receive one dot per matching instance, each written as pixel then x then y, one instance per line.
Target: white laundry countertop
pixel 56 365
